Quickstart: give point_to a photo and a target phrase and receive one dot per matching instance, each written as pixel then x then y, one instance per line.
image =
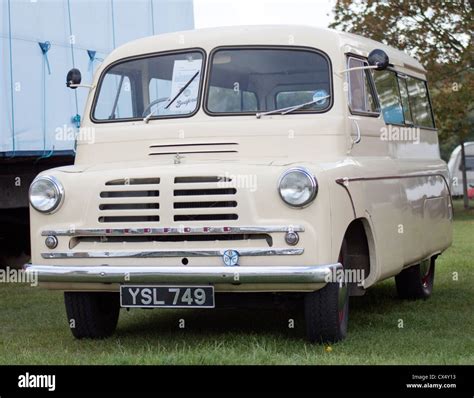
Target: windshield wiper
pixel 182 90
pixel 289 109
pixel 147 118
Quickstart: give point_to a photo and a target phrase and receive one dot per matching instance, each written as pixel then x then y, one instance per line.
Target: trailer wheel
pixel 417 281
pixel 327 310
pixel 92 315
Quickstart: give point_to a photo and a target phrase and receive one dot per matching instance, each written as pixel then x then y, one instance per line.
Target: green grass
pixel 33 327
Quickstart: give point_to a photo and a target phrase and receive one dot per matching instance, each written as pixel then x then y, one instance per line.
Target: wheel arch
pixel 360 249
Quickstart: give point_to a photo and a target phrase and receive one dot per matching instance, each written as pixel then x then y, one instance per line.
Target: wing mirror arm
pixel 74 86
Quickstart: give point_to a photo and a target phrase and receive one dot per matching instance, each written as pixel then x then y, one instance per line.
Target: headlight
pixel 297 187
pixel 46 194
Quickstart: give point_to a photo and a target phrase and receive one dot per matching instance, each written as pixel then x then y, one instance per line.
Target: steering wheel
pixel 146 111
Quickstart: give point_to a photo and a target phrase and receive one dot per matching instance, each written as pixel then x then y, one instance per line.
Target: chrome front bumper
pixel 192 275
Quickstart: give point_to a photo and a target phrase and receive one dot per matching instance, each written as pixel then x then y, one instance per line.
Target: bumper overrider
pixel 193 275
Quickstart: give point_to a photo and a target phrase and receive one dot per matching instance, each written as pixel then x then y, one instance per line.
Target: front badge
pixel 231 258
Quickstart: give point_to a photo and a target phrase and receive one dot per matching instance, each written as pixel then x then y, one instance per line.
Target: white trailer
pixel 455 168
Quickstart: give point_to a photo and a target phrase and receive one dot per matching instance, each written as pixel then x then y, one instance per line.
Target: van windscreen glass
pixel 139 87
pixel 250 80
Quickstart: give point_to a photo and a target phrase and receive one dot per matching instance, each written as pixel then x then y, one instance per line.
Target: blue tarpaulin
pixel 40 40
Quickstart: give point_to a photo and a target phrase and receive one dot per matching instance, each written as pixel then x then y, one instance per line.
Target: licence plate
pixel 167 296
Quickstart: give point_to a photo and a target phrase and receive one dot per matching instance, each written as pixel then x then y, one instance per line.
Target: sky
pixel 210 13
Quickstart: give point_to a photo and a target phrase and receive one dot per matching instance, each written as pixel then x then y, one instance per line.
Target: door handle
pixel 358 138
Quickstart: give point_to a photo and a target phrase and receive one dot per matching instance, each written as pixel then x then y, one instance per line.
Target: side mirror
pixel 378 58
pixel 73 78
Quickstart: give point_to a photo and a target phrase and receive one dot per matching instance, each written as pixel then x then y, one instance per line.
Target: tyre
pixel 327 311
pixel 92 315
pixel 417 281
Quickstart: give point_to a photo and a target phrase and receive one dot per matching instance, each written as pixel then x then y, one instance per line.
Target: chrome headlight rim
pixel 312 179
pixel 58 187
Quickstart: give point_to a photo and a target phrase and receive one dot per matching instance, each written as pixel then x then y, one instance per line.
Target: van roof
pixel 327 40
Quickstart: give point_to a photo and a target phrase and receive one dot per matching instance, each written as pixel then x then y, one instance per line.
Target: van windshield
pixel 251 80
pixel 142 87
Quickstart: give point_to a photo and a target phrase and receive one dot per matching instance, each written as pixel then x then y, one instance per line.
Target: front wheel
pixel 92 315
pixel 327 313
pixel 417 281
pixel 327 309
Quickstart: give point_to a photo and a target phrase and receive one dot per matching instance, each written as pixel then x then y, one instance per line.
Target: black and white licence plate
pixel 167 296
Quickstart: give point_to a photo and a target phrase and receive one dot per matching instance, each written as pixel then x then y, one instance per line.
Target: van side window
pixel 419 102
pixel 361 95
pixel 389 96
pixel 402 85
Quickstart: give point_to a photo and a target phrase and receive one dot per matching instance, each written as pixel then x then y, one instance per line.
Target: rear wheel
pixel 327 310
pixel 92 314
pixel 417 281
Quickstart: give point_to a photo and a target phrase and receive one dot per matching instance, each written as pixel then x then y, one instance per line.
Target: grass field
pixel 33 327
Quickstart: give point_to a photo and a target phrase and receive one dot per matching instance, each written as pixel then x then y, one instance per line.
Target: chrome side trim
pixel 172 231
pixel 192 275
pixel 170 253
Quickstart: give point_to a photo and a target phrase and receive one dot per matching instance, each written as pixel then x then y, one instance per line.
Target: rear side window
pixel 361 95
pixel 419 102
pixel 402 85
pixel 389 96
pixel 404 99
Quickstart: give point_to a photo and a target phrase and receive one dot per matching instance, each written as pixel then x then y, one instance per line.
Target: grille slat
pixel 200 179
pixel 205 192
pixel 204 205
pixel 122 200
pixel 129 206
pixel 134 181
pixel 125 219
pixel 128 194
pixel 205 217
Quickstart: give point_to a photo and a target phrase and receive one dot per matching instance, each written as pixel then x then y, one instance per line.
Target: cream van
pixel 282 160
